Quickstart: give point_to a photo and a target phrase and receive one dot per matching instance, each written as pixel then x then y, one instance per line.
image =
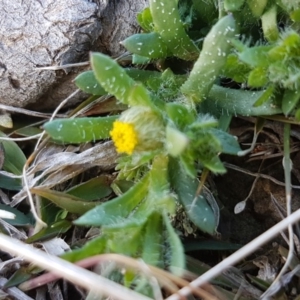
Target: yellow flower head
pixel 124 137
pixel 138 129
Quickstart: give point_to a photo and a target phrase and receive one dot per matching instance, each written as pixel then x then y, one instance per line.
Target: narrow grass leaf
pixel 21 275
pixel 118 209
pixel 68 202
pixel 51 231
pixel 93 189
pixel 91 248
pixel 20 218
pixel 14 158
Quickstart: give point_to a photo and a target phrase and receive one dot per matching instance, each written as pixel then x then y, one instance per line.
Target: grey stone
pixel 40 33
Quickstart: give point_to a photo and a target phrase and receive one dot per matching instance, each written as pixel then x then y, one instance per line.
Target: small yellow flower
pixel 138 129
pixel 124 137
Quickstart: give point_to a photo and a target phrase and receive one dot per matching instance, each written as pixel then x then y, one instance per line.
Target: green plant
pixel 170 132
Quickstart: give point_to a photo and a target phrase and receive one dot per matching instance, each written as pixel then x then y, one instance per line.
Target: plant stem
pixel 287 165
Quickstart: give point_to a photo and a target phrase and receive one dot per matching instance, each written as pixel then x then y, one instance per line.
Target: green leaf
pixel 121 186
pixel 125 239
pixel 260 283
pixel 197 208
pixel 155 198
pixel 230 101
pixel 206 11
pixel 234 68
pixel 233 5
pixel 176 252
pixel 141 75
pixel 12 184
pixel 132 167
pixel 50 212
pixel 270 24
pixel 145 20
pixel 188 163
pixel 257 6
pixel 265 96
pixel 152 240
pixel 51 231
pixel 213 163
pixel 290 100
pixel 14 159
pixel 205 147
pixel 258 77
pixel 197 267
pixel 204 122
pixel 139 96
pixel 149 197
pixel 28 131
pixel 80 130
pixel 288 46
pixel 117 210
pixel 68 202
pixel 297 114
pixel 209 244
pixel 94 189
pixel 91 248
pixel 140 60
pixel 160 202
pixel 88 83
pixel 19 220
pixel 295 15
pixel 112 77
pixel 159 181
pixel 212 59
pixel 256 56
pixel 23 274
pixel 229 143
pixel 147 45
pixel 180 115
pixel 116 81
pixel 224 122
pixel 168 24
pixel 160 197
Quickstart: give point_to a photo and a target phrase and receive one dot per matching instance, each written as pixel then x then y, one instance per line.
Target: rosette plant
pixel 173 127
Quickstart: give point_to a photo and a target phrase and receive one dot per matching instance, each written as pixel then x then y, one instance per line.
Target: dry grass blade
pixel 9 262
pixel 5 120
pixel 55 68
pixel 27 112
pixel 165 279
pixel 60 167
pixel 10 175
pixel 239 207
pixel 13 291
pixel 239 255
pixel 28 138
pixel 13 231
pixel 259 175
pixel 6 214
pixel 68 271
pixel 26 189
